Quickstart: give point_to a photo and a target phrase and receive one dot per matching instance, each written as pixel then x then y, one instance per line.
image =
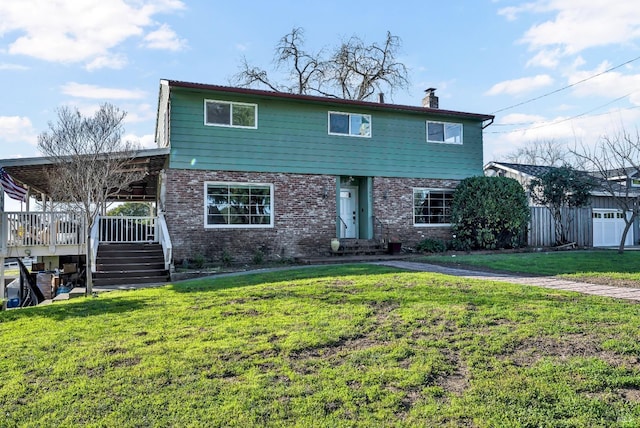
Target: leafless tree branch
pixel 92 159
pixel 541 152
pixel 615 159
pixel 354 70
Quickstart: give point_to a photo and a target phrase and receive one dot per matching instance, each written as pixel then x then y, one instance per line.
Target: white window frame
pixel 446 140
pixel 414 206
pixel 231 106
pixel 349 132
pixel 228 184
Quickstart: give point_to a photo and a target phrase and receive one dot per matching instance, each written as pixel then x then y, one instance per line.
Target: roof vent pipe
pixel 430 100
pixel 381 98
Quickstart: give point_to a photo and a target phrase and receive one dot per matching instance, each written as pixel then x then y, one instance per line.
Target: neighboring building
pixel 607 223
pixel 283 174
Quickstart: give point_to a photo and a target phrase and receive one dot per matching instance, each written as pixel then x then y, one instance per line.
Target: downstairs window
pixel 432 207
pixel 238 205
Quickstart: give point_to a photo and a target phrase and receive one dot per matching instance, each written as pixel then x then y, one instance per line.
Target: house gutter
pixel 488 124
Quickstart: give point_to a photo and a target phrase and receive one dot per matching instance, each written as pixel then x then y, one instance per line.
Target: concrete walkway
pixel 536 281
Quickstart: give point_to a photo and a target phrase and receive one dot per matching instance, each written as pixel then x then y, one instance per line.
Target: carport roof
pixel 32 172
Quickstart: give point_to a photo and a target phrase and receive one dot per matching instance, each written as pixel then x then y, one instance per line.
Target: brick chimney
pixel 430 100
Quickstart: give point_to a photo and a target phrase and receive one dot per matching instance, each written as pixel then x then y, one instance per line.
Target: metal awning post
pixel 3 289
pixel 3 237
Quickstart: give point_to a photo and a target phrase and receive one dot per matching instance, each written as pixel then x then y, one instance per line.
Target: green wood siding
pixel 292 137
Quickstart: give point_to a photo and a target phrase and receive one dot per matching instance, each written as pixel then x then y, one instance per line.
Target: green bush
pixel 226 258
pixel 489 213
pixel 258 257
pixel 430 245
pixel 198 261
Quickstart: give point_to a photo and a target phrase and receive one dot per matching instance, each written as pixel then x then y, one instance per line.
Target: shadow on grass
pixel 244 279
pixel 82 308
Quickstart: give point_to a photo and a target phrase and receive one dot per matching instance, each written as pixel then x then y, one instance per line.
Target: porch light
pixel 27 252
pixel 325 192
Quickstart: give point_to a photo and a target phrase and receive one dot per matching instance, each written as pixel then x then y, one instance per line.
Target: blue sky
pixel 483 56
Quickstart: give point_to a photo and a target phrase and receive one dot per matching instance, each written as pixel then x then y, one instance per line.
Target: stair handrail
pixel 94 241
pixel 344 227
pixel 382 228
pixel 165 241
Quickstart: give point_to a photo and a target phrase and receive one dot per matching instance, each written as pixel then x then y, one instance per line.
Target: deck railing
pixel 31 229
pixel 41 232
pixel 127 229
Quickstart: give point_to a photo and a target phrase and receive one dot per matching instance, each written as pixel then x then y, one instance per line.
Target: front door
pixel 349 212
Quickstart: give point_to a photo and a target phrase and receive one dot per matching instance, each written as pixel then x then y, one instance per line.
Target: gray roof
pixel 599 180
pixel 532 170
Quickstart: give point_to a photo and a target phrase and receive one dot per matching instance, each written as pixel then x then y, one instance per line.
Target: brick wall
pixel 304 220
pixel 393 206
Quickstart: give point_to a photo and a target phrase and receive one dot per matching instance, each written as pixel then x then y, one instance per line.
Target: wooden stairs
pixel 121 264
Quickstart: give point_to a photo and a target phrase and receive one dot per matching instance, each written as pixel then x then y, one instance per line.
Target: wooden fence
pixel 579 224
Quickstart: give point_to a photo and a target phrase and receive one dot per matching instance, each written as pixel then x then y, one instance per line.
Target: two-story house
pixel 242 174
pixel 282 174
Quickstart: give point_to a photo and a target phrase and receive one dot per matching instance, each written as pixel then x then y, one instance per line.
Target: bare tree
pixel 353 70
pixel 361 70
pixel 306 70
pixel 541 152
pixel 93 163
pixel 615 160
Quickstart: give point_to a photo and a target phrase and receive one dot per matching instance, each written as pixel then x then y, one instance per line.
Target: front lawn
pixel 332 346
pixel 599 266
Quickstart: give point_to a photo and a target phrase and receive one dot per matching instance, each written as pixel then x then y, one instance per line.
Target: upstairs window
pixel 356 125
pixel 225 113
pixel 432 207
pixel 444 132
pixel 238 205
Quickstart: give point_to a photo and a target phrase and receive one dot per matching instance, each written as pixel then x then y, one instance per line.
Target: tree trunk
pixel 559 227
pixel 89 258
pixel 627 226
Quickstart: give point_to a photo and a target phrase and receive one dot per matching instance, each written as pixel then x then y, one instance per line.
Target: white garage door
pixel 608 226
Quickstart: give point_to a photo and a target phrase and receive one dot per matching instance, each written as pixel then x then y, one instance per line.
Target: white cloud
pixel 579 25
pixel 80 90
pixel 77 31
pixel 587 130
pixel 140 113
pixel 512 12
pixel 15 67
pixel 609 86
pixel 146 141
pixel 164 38
pixel 115 62
pixel 242 47
pixel 17 129
pixel 547 58
pixel 519 86
pixel 519 118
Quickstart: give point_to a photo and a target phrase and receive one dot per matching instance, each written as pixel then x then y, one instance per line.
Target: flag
pixel 10 187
